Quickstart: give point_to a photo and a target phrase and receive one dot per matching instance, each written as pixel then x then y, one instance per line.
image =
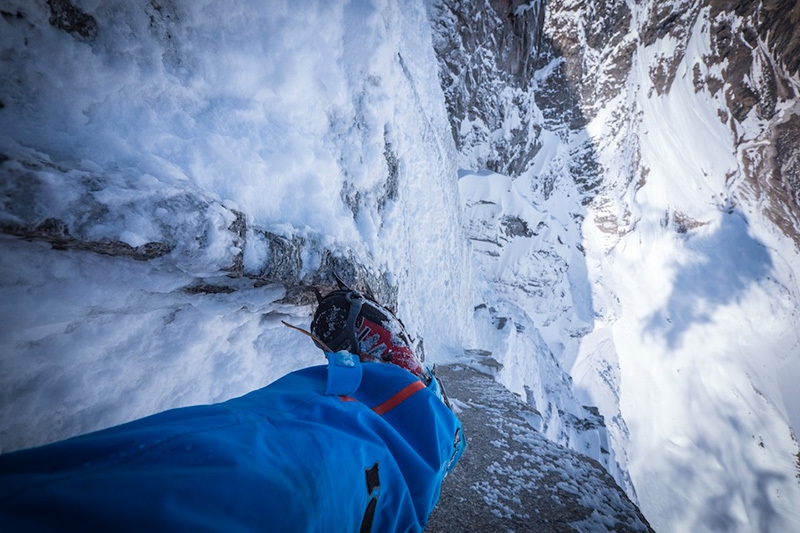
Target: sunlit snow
pixel 697 307
pixel 682 330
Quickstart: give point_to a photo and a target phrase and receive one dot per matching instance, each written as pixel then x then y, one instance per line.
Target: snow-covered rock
pixel 233 150
pixel 532 484
pixel 620 248
pixel 664 141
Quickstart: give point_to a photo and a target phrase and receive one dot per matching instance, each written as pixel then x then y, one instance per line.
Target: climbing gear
pixel 346 319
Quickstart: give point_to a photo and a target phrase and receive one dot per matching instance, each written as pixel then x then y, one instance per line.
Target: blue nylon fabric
pixel 283 458
pixel 344 373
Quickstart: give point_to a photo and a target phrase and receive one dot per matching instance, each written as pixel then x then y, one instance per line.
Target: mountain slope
pixel 176 177
pixel 620 246
pixel 270 148
pixel 662 138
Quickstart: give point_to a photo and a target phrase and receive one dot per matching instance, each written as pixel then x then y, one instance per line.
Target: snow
pixel 697 325
pixel 99 340
pixel 324 122
pixel 158 130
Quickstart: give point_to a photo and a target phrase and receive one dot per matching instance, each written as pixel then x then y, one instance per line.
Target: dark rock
pixel 778 28
pixel 761 55
pixel 675 20
pixel 357 274
pixel 52 229
pixel 378 196
pixel 285 266
pixel 769 28
pixel 239 229
pixel 57 234
pixel 65 16
pixel 392 184
pixel 513 226
pixel 559 102
pixel 603 34
pixel 775 175
pixel 787 148
pixel 684 223
pixel 208 288
pixel 488 53
pixel 164 24
pixel 8 15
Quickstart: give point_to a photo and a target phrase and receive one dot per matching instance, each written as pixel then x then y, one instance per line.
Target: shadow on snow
pixel 725 264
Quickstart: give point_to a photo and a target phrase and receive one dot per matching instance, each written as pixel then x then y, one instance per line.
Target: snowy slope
pixel 695 292
pixel 193 137
pixel 664 169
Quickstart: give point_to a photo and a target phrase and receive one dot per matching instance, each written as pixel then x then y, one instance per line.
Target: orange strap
pixel 399 398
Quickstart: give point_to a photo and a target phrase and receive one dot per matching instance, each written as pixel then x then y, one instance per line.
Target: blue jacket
pixel 362 447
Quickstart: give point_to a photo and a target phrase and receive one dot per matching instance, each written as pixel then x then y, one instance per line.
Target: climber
pixel 355 445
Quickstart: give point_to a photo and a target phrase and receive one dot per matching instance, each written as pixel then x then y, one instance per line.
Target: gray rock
pixel 65 16
pixel 511 478
pixel 488 53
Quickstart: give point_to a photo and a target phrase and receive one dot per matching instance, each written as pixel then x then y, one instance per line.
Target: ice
pixel 670 305
pixel 170 126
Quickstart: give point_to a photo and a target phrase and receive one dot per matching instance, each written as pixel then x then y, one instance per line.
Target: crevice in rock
pixel 66 17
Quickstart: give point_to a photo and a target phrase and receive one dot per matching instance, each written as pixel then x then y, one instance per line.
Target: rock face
pixel 489 52
pixel 70 209
pixel 642 121
pixel 531 258
pixel 526 253
pixel 752 64
pixel 127 212
pixel 511 478
pixel 65 16
pixel 760 44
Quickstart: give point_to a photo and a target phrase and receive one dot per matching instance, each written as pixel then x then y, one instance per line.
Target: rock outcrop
pixel 71 209
pixel 511 478
pixel 752 64
pixel 488 53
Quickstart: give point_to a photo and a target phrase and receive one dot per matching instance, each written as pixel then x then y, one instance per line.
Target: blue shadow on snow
pixel 728 262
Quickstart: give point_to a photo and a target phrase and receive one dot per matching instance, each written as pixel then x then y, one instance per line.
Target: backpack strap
pixel 344 373
pixel 355 302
